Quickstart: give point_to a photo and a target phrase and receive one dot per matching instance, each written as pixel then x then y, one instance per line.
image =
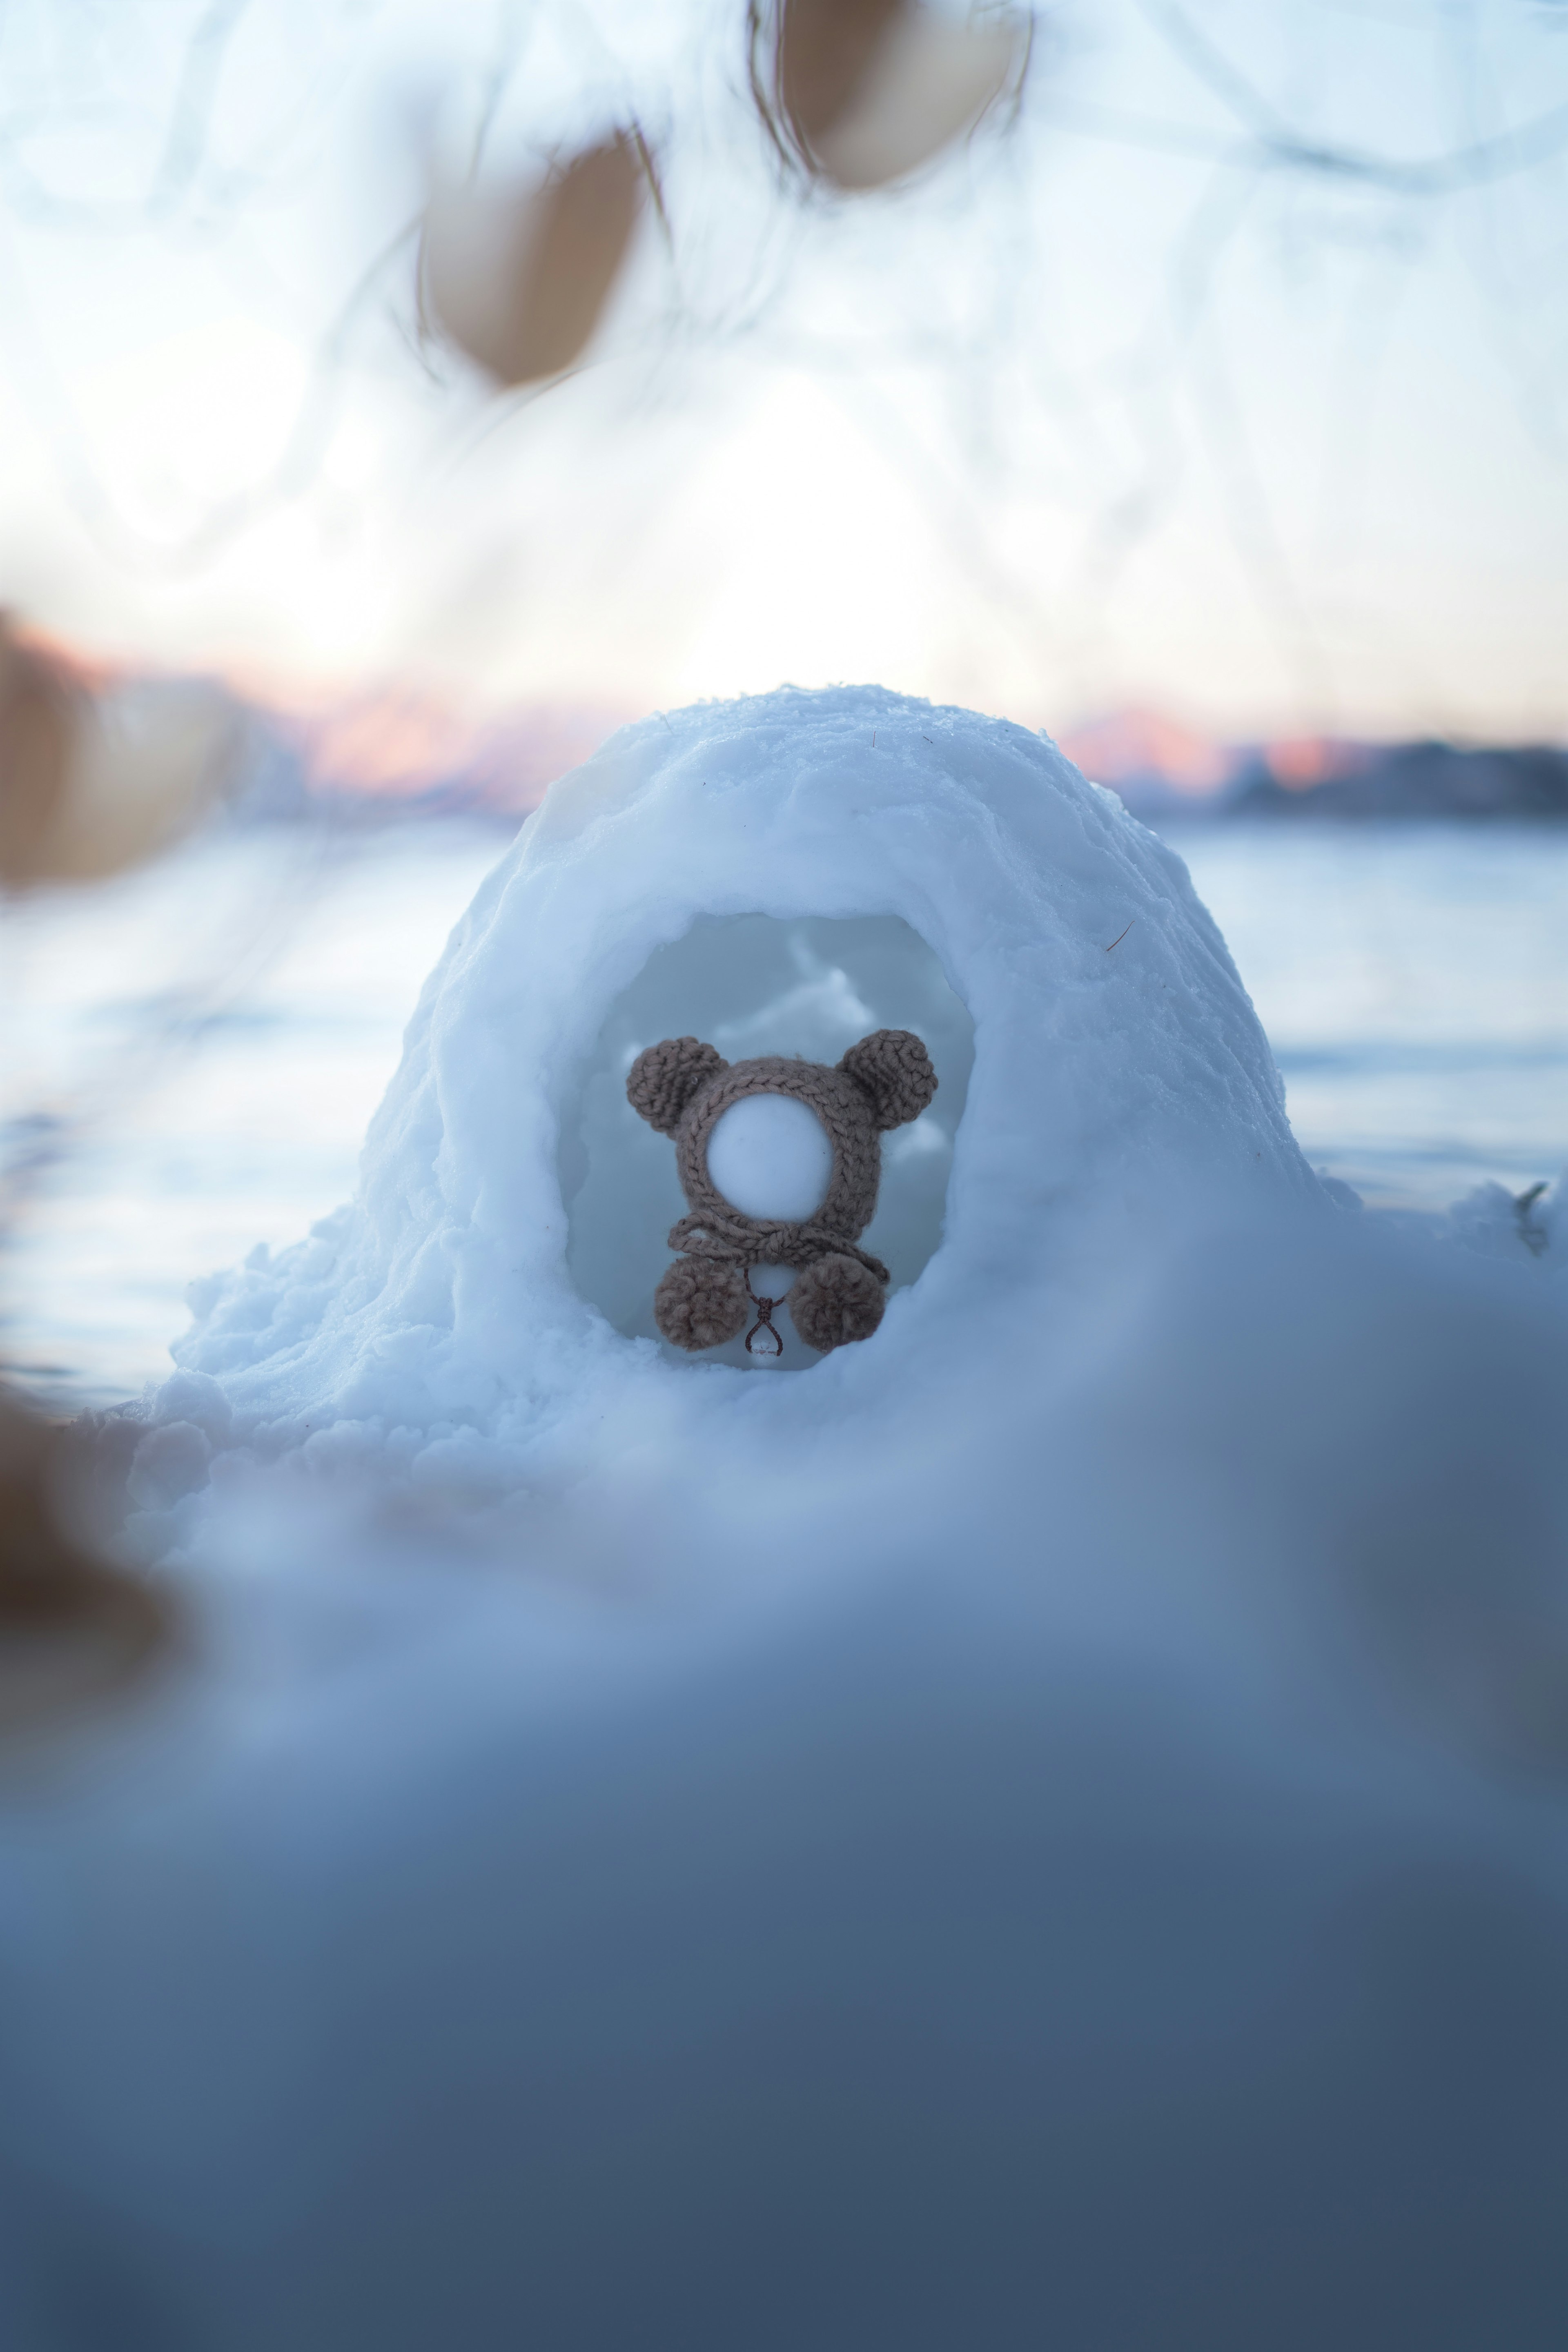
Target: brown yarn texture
pixel 701 1302
pixel 833 1301
pixel 663 1080
pixel 683 1088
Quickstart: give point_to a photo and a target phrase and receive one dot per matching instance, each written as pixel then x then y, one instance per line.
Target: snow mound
pixel 1046 1826
pixel 1118 1067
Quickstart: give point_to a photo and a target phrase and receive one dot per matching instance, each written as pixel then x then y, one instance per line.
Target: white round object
pixel 769 1157
pixel 772 1281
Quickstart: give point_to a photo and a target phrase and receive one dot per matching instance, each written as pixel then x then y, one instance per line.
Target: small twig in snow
pixel 1531 1234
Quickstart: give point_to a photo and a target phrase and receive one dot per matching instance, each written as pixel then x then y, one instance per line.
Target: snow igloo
pixel 776 875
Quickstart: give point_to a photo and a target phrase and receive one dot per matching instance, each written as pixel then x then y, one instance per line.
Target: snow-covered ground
pixel 1046 1827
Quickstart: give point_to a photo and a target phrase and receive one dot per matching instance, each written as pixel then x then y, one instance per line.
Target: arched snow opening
pixel 757 984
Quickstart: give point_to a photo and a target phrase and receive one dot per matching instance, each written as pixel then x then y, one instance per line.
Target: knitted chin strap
pixel 742 1241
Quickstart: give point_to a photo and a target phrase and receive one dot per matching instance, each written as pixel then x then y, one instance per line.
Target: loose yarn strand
pixel 764 1321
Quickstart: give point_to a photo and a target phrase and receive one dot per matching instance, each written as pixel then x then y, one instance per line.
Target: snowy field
pixel 229 1021
pixel 1044 1827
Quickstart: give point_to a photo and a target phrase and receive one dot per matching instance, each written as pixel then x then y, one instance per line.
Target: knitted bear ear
pixel 663 1080
pixel 895 1070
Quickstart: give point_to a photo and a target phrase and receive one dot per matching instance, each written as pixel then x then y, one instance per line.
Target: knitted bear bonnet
pixel 683 1088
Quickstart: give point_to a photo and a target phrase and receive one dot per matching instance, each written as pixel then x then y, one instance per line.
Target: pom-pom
pixel 894 1068
pixel 701 1302
pixel 663 1080
pixel 835 1300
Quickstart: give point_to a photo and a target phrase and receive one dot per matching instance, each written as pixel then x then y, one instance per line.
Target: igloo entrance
pixel 754 984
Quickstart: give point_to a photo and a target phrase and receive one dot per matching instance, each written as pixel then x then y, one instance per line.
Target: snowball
pixel 770 1156
pixel 774 1282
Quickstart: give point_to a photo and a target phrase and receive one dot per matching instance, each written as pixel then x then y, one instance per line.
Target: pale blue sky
pixel 1203 388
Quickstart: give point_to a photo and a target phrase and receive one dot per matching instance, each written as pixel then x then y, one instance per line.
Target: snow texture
pixel 1117 1062
pixel 1046 1827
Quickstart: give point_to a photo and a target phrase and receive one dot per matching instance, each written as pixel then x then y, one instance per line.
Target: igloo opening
pixel 755 984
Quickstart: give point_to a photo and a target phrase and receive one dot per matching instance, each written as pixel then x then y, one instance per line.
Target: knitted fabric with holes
pixel 683 1088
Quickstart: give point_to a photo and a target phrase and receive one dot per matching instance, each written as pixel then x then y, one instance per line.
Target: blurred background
pixel 416 391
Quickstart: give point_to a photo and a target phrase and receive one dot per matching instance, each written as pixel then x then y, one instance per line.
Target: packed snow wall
pixel 787 871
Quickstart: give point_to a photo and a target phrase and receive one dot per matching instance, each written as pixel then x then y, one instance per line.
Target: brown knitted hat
pixel 683 1088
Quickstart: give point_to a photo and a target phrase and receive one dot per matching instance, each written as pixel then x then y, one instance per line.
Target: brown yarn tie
pixel 746 1242
pixel 764 1321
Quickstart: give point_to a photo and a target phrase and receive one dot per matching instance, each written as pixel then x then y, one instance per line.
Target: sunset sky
pixel 1229 383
